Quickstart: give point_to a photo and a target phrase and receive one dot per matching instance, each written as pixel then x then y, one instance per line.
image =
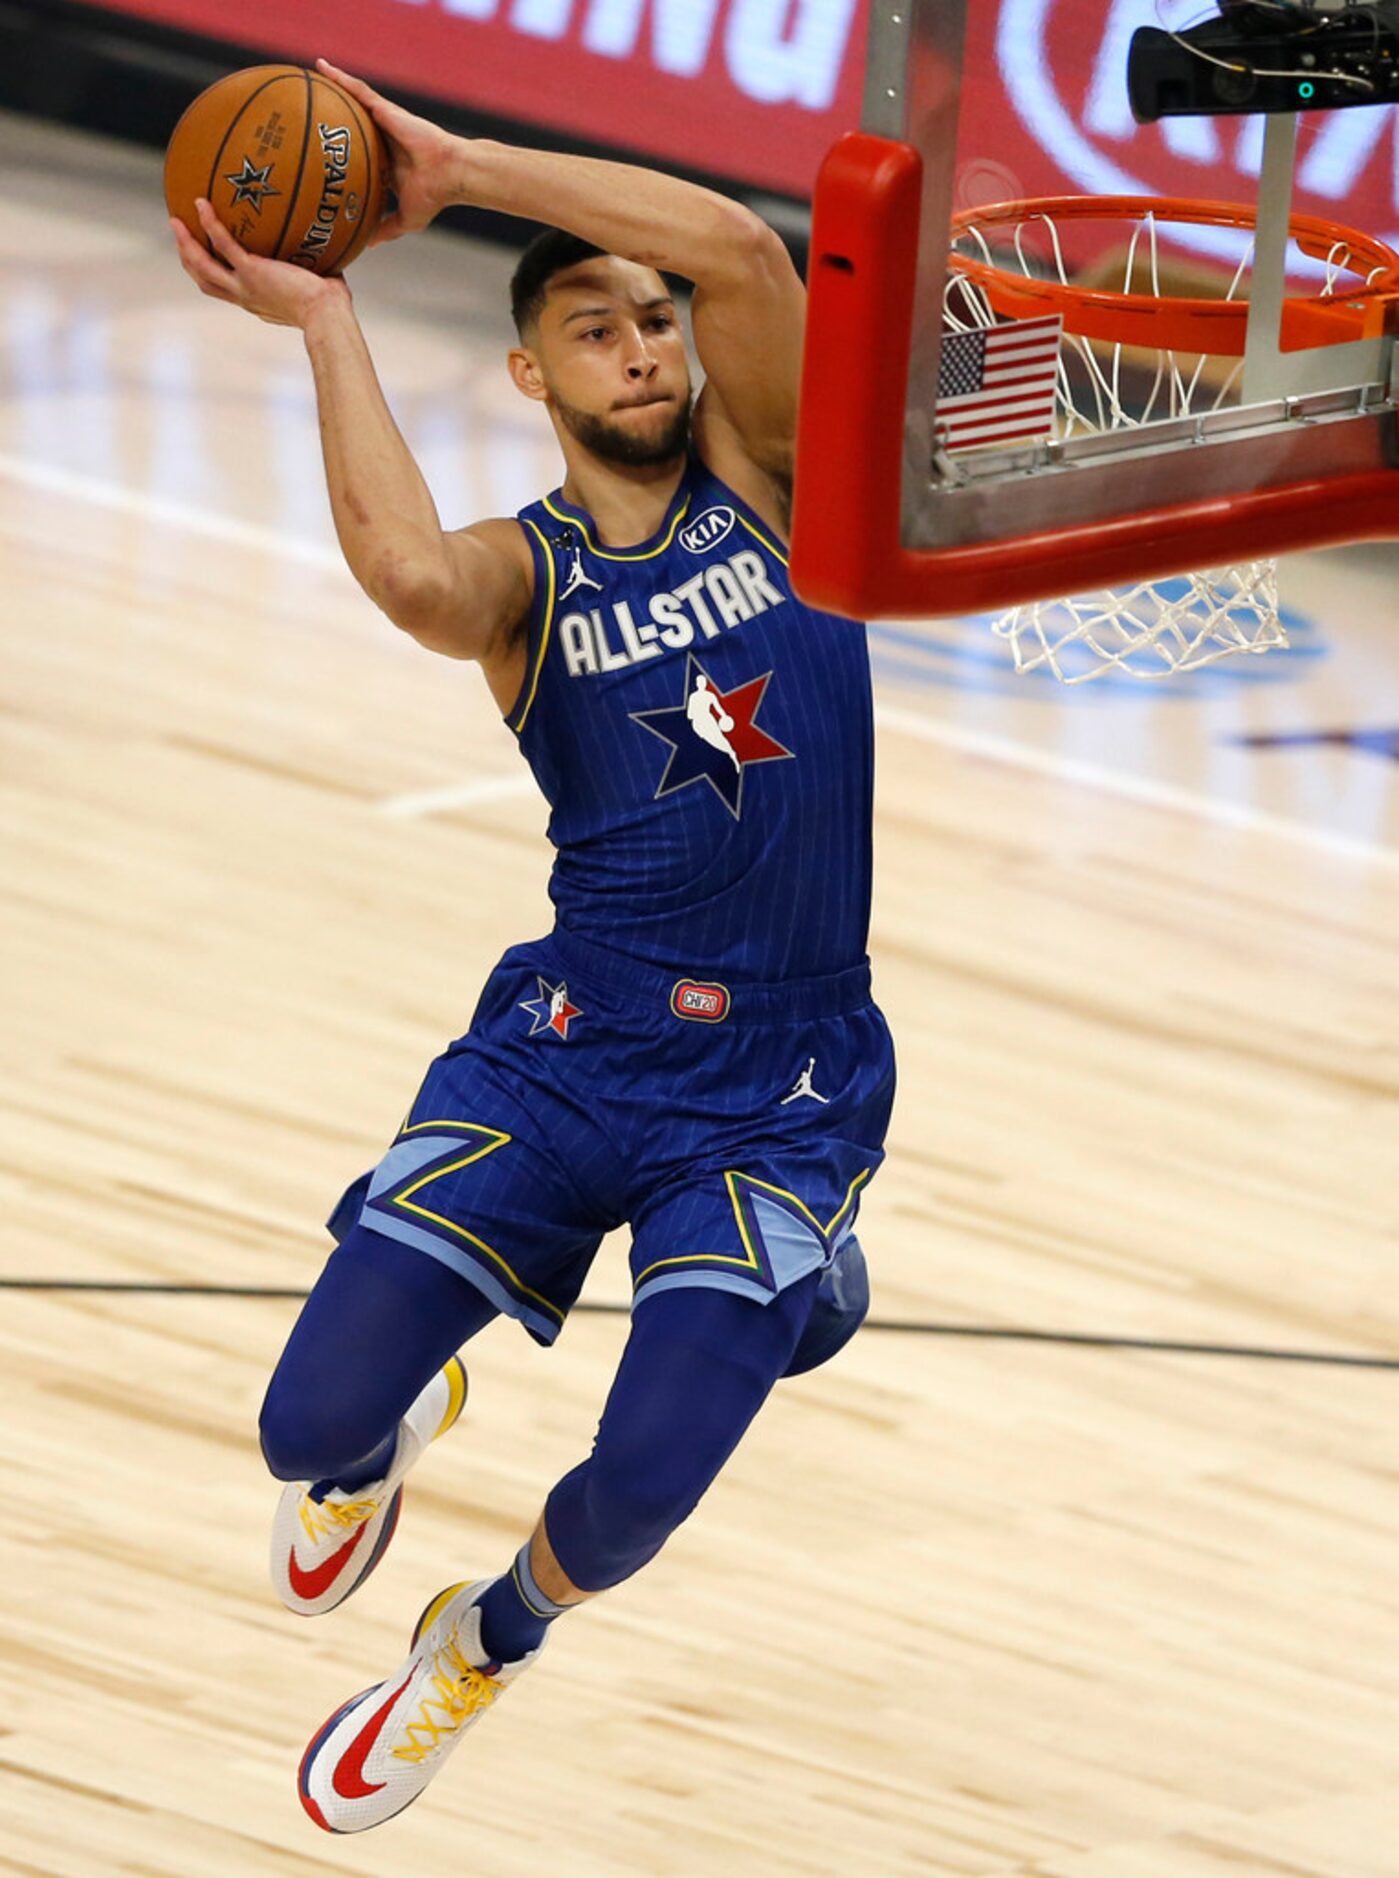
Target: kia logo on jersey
pixel 708 530
pixel 1063 65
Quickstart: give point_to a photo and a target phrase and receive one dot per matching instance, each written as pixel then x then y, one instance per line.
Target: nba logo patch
pixel 551 1011
pixel 701 1004
pixel 713 736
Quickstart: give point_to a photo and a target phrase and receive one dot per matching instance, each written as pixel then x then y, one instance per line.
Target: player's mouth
pixel 644 404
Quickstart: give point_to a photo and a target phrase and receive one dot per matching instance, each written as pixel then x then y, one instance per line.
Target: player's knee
pixel 643 1508
pixel 629 1512
pixel 308 1438
pixel 605 1522
pixel 839 1308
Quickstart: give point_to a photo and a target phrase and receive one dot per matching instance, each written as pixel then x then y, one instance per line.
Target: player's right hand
pixel 275 291
pixel 422 158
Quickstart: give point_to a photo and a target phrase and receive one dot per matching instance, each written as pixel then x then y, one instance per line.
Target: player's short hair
pixel 548 254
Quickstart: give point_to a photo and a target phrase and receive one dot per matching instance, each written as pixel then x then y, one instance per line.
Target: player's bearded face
pixel 655 433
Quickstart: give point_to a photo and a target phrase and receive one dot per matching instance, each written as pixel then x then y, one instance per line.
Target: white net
pixel 1151 630
pixel 1157 628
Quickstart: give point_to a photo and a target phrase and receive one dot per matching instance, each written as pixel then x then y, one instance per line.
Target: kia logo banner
pixel 757 90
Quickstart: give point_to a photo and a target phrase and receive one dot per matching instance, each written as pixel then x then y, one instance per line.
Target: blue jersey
pixel 704 740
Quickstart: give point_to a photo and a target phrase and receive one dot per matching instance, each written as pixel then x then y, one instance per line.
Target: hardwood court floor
pixel 965 1606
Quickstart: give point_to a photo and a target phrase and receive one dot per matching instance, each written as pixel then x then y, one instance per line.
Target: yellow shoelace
pixel 459 1691
pixel 324 1519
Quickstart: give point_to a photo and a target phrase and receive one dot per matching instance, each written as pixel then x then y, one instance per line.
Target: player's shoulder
pixel 503 535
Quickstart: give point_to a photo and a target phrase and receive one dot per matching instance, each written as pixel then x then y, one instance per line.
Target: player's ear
pixel 528 376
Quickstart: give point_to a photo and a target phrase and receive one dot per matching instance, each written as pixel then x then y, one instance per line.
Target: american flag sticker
pixel 996 384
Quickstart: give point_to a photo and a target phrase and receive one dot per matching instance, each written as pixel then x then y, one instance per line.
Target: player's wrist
pixel 326 313
pixel 473 165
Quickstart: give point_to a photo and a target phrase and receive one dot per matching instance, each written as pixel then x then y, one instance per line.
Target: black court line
pixel 987 1333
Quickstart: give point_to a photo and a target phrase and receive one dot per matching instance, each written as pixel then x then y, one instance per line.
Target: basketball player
pixel 693 1050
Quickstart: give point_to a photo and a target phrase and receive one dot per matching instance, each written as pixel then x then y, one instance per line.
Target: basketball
pixel 292 165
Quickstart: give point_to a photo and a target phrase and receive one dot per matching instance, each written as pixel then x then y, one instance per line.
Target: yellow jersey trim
pixel 758 535
pixel 752 1262
pixel 550 600
pixel 403 1198
pixel 607 554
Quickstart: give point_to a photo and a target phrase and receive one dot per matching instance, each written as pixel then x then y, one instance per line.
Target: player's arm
pixel 466 593
pixel 749 307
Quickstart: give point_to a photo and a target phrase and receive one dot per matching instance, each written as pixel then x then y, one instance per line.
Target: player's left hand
pixel 275 291
pixel 422 158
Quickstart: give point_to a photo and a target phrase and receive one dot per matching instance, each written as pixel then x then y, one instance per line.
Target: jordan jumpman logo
pixel 803 1086
pixel 577 578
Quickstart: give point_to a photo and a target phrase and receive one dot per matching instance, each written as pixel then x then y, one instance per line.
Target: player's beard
pixel 615 443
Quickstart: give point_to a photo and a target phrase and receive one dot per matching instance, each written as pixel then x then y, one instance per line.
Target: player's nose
pixel 641 362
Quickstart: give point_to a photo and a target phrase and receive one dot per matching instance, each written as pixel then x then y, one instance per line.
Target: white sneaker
pixel 377 1753
pixel 322 1549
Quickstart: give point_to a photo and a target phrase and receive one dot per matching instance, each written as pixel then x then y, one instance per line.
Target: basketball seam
pixel 277 254
pixel 346 255
pixel 228 134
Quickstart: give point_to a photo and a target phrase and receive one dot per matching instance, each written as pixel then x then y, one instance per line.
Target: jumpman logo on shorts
pixel 803 1086
pixel 577 578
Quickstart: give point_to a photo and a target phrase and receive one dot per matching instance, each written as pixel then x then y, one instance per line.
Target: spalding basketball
pixel 292 165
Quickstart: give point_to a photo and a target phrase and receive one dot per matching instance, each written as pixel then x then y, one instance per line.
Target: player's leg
pixel 698 1366
pixel 369 1377
pixel 839 1308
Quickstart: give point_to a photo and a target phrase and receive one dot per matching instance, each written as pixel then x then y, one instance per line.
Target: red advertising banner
pixel 1046 111
pixel 755 90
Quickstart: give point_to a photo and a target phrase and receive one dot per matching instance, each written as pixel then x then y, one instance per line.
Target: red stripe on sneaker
pixel 310 1585
pixel 348 1779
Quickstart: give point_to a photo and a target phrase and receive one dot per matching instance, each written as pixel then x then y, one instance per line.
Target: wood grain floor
pixel 974 1607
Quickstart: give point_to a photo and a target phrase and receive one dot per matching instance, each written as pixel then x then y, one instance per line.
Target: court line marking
pixel 1002 750
pixel 173 514
pixel 891 717
pixel 459 795
pixel 1155 795
pixel 986 1333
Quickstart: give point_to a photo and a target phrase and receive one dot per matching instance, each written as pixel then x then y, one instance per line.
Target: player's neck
pixel 628 503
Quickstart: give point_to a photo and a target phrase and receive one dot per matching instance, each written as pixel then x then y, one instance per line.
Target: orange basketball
pixel 292 165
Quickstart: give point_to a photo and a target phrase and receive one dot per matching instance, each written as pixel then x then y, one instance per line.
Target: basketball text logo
pixel 335 155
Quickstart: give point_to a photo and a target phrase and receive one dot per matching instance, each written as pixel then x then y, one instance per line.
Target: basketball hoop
pixel 1137 356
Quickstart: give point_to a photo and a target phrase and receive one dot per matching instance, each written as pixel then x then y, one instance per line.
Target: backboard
pixel 1278 432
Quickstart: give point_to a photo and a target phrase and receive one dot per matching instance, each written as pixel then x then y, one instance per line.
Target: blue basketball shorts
pixel 735 1130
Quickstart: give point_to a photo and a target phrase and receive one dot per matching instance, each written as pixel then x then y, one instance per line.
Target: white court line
pixel 1133 788
pixel 460 795
pixel 890 717
pixel 176 514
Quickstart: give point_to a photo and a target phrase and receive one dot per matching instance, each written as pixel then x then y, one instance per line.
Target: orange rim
pixel 1217 327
